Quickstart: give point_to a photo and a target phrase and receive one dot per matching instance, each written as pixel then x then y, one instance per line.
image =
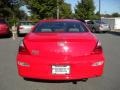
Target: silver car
pixel 25 27
pixel 98 26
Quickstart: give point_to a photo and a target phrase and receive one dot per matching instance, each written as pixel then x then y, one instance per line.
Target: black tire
pixel 74 82
pixel 105 31
pixel 9 35
pixel 26 79
pixel 93 30
pixel 18 33
pixel 85 79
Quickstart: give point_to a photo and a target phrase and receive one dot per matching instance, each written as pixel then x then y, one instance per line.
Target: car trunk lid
pixel 60 44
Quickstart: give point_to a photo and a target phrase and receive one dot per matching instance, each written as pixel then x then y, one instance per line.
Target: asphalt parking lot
pixel 9 79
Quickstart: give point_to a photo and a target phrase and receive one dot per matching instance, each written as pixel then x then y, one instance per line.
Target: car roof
pixel 59 20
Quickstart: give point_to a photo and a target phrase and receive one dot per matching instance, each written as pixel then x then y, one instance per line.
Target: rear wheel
pixel 85 79
pixel 74 82
pixel 18 34
pixel 9 34
pixel 105 31
pixel 93 30
pixel 26 79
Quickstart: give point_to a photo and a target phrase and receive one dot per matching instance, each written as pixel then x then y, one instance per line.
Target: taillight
pixel 20 27
pixel 23 49
pixel 98 48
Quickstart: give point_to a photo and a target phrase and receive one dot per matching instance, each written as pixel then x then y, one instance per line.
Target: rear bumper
pixel 4 31
pixel 42 69
pixel 104 29
pixel 21 31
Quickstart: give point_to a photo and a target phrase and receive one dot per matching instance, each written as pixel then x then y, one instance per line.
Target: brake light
pixel 21 27
pixel 23 49
pixel 98 48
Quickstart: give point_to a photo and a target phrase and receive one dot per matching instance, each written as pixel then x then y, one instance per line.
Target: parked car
pixel 25 27
pixel 60 50
pixel 4 28
pixel 98 26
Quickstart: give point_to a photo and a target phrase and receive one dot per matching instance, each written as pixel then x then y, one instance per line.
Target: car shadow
pixel 54 81
pixel 114 33
pixel 21 35
pixel 5 37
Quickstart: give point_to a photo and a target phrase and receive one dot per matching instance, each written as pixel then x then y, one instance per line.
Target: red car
pixel 62 49
pixel 4 28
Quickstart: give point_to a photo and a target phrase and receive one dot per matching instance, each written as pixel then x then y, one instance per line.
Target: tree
pixel 48 8
pixel 115 15
pixel 97 15
pixel 85 9
pixel 4 8
pixel 22 15
pixel 65 11
pixel 9 8
pixel 33 17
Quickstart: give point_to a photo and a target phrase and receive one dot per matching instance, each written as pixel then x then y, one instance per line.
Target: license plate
pixel 60 69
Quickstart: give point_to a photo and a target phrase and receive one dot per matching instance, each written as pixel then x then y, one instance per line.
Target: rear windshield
pixel 27 23
pixel 60 27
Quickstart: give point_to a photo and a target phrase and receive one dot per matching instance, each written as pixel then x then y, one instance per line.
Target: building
pixel 113 22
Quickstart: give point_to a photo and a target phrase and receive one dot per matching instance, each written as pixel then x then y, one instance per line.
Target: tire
pixel 93 30
pixel 18 34
pixel 9 35
pixel 105 31
pixel 26 79
pixel 85 79
pixel 74 82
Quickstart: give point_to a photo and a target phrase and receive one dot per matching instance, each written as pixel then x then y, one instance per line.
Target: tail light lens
pixel 23 49
pixel 98 48
pixel 20 27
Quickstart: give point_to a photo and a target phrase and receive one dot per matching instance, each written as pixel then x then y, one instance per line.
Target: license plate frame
pixel 60 69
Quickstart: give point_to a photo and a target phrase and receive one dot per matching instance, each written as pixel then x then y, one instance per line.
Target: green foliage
pixel 85 9
pixel 65 11
pixel 97 15
pixel 110 15
pixel 34 18
pixel 4 8
pixel 48 8
pixel 115 15
pixel 10 10
pixel 13 21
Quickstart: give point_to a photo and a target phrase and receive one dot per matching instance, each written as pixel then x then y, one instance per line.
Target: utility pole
pixel 58 10
pixel 100 9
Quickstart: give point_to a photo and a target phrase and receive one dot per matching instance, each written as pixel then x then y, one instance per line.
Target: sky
pixel 107 6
